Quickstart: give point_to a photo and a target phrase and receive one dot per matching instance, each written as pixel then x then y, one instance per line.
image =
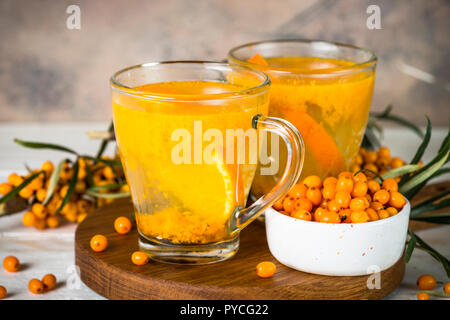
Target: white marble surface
pixel 52 251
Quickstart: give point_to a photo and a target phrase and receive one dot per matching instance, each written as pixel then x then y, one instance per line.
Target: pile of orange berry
pixel 427 282
pixel 36 286
pixel 376 162
pixel 40 215
pixel 348 198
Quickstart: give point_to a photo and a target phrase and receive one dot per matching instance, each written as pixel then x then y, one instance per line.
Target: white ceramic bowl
pixel 337 249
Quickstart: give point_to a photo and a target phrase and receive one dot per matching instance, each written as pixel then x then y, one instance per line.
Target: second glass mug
pixel 189 201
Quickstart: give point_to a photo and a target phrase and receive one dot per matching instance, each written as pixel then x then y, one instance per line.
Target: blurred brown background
pixel 51 73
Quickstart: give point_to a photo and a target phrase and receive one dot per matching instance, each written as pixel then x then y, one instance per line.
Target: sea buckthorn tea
pixel 187 135
pixel 324 89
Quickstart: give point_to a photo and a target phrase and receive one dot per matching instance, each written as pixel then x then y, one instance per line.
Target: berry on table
pixel 426 282
pixel 99 243
pixel 122 225
pixel 139 258
pixel 36 286
pixel 49 281
pixel 11 264
pixel 266 269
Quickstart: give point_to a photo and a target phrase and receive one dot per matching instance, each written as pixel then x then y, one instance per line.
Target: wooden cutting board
pixel 112 274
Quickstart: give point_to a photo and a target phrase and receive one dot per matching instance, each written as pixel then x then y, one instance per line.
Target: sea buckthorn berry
pixel 381 196
pixel 5 188
pixel 301 214
pixel 324 203
pixel 330 181
pixel 11 264
pixel 52 222
pixel 447 288
pixel 312 182
pixel 423 296
pixel 39 210
pixel 319 213
pixel 359 159
pixel 108 173
pixel 345 174
pixel 125 188
pixel 81 216
pixel 122 225
pixel 368 197
pixel 360 177
pixel 80 186
pixel 314 195
pixel 397 200
pixel 266 269
pixel 28 219
pixel 345 184
pixel 383 152
pixel 355 168
pixel 370 156
pixel 139 258
pixel 373 186
pixel 329 192
pixel 357 204
pixel 49 281
pixel 362 151
pixel 36 286
pixel 36 183
pixel 15 179
pixel 373 169
pixel 278 205
pixel 346 216
pixel 383 214
pixel 373 216
pixel 360 189
pixel 376 206
pixel 392 211
pixel 333 206
pixel 330 217
pixel 99 243
pixel 289 204
pixel 3 292
pixel 298 191
pixel 343 198
pixel 41 194
pixel 48 167
pixel 63 191
pixel 303 204
pixel 359 217
pixel 40 224
pixel 396 163
pixel 26 192
pixel 426 282
pixel 390 185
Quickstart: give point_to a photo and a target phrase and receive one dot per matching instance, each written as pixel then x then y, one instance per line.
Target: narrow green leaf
pixel 397 172
pixel 386 115
pixel 17 189
pixel 108 195
pixel 432 199
pixel 106 187
pixel 53 181
pixel 436 293
pixel 411 245
pixel 72 183
pixel 105 142
pixel 423 146
pixel 422 176
pixel 114 163
pixel 439 257
pixel 431 207
pixel 441 218
pixel 446 141
pixel 41 145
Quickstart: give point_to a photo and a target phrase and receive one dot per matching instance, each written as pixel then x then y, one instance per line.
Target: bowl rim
pixel 405 210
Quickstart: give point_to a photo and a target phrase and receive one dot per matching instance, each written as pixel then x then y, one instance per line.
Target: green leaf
pixel 423 146
pixel 17 189
pixel 446 141
pixel 72 184
pixel 113 163
pixel 106 187
pixel 436 293
pixel 411 245
pixel 41 145
pixel 423 174
pixel 441 218
pixel 439 257
pixel 105 142
pixel 431 200
pixel 431 207
pixel 108 195
pixel 397 172
pixel 386 115
pixel 53 181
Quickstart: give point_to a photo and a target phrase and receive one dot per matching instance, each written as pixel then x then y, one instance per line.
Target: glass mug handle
pixel 241 217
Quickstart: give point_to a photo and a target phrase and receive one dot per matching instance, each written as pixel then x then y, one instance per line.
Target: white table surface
pixel 52 251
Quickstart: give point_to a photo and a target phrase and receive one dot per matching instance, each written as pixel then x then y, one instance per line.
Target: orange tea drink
pixel 324 89
pixel 177 127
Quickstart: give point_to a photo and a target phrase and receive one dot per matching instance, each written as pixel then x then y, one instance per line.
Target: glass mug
pixel 188 180
pixel 324 89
